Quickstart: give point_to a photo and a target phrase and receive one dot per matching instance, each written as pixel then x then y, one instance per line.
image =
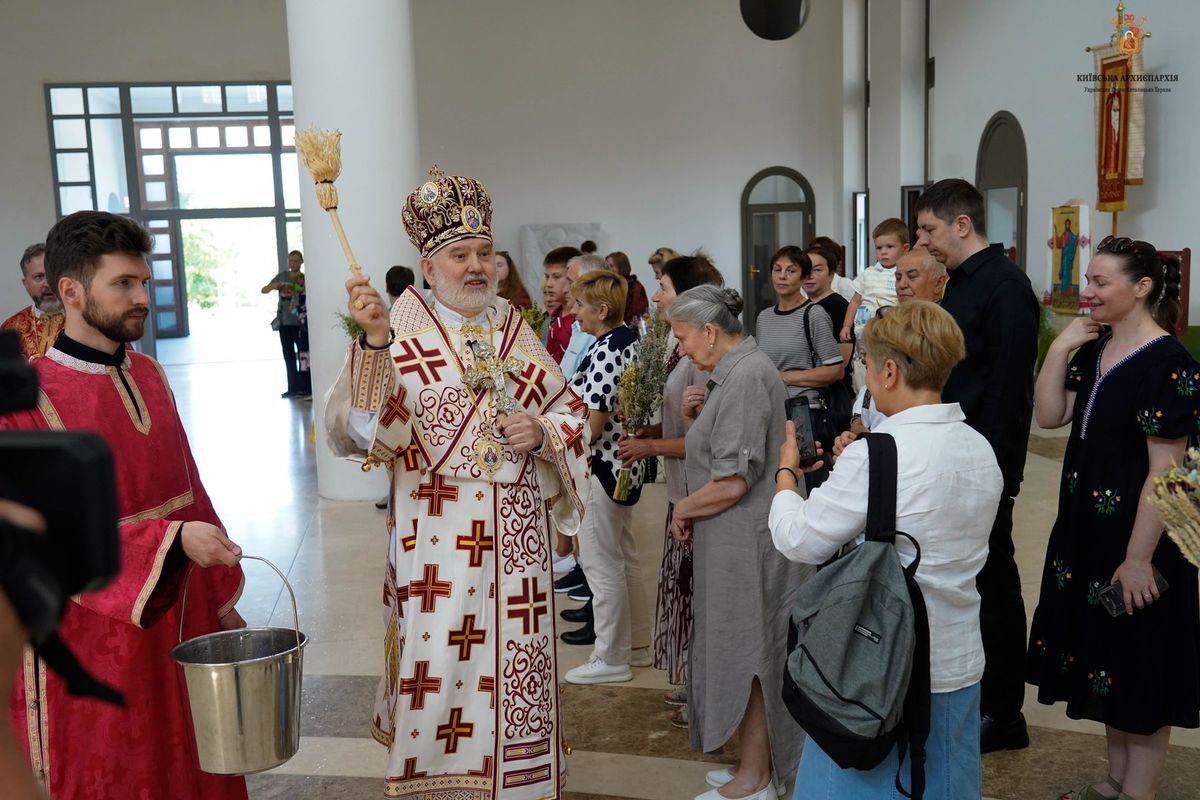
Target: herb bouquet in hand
pixel 640 391
pixel 1176 498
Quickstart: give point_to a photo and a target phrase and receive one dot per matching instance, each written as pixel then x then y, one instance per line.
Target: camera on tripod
pixel 68 477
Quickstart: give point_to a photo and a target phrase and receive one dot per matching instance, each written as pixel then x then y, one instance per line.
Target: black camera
pixel 68 477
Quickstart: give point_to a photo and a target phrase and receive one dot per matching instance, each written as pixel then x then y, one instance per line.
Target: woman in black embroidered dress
pixel 1132 392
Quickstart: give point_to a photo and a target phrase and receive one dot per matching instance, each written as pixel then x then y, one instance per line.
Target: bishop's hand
pixel 368 310
pixel 522 431
pixel 207 545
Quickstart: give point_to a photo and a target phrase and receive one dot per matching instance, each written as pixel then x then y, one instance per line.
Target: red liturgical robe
pixel 37 331
pixel 82 747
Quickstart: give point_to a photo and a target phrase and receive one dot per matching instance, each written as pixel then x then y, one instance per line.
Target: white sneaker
pixel 641 657
pixel 720 777
pixel 597 671
pixel 766 793
pixel 561 565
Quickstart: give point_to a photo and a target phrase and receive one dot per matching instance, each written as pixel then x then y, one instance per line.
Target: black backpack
pixel 857 674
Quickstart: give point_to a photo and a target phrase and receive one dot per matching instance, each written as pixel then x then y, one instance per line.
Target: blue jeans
pixel 952 766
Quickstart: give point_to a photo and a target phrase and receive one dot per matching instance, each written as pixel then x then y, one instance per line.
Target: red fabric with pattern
pixel 123 633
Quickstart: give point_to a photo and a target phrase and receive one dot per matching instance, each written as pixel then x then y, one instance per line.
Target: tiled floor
pixel 256 457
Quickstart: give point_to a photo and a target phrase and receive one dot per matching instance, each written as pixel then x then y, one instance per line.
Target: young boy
pixel 875 287
pixel 554 294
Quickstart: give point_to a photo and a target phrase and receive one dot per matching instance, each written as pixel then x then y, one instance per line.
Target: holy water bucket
pixel 244 691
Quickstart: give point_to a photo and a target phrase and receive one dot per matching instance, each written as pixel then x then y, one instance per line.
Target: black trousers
pixel 1002 621
pixel 293 340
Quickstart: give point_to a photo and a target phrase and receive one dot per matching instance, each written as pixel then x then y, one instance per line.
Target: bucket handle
pixel 295 616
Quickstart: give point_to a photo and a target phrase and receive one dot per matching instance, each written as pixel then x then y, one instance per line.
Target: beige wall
pixel 647 116
pixel 51 41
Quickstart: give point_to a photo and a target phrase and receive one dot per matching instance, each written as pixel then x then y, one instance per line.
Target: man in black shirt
pixel 994 305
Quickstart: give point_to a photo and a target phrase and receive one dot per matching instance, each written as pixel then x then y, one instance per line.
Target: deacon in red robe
pixel 122 634
pixel 39 324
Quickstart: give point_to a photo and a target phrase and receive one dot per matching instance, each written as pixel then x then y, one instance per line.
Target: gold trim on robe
pixel 160 558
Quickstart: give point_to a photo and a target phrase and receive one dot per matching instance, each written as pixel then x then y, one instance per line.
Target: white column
pixel 897 139
pixel 352 69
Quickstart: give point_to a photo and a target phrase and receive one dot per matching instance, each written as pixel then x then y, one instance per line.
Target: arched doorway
pixel 777 209
pixel 1002 175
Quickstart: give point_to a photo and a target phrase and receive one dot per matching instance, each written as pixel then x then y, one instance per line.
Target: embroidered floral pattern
pixel 1151 421
pixel 1101 682
pixel 1186 383
pixel 1072 479
pixel 1062 573
pixel 1065 662
pixel 1106 501
pixel 1093 593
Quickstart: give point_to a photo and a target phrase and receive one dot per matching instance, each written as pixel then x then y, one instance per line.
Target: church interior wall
pixel 1023 57
pixel 648 118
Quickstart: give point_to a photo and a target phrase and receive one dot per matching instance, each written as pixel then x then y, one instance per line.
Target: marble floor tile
pixel 332 755
pixel 345 656
pixel 337 705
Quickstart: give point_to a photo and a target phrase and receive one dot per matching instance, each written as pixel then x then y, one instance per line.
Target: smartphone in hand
pixel 806 442
pixel 1112 597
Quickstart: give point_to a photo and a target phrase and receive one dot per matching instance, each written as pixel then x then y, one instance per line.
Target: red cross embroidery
pixel 410 771
pixel 412 461
pixel 437 493
pixel 531 385
pixel 454 729
pixel 417 360
pixel 467 637
pixel 576 404
pixel 409 543
pixel 402 597
pixel 485 771
pixel 395 408
pixel 476 543
pixel 429 589
pixel 489 685
pixel 419 685
pixel 572 437
pixel 529 606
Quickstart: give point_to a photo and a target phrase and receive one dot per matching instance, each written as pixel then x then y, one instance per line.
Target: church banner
pixel 1120 124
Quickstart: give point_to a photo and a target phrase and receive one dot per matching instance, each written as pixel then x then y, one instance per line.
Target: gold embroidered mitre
pixel 447 208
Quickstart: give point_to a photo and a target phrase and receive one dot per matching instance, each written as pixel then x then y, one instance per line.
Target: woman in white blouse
pixel 948 488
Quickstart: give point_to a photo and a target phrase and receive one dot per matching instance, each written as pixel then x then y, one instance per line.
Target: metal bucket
pixel 244 690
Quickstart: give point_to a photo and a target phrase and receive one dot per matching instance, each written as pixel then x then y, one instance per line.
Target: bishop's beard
pixel 466 299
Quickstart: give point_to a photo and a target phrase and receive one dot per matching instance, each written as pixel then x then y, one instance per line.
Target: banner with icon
pixel 1120 111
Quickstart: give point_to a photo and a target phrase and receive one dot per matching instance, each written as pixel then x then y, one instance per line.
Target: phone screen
pixel 805 441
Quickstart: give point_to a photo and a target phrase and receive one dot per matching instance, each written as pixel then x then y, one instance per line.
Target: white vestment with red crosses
pixel 468 704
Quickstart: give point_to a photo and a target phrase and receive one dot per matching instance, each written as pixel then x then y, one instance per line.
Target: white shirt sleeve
pixel 811 531
pixel 858 401
pixel 361 426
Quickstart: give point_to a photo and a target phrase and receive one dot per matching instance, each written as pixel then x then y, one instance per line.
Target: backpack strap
pixel 812 351
pixel 917 700
pixel 881 491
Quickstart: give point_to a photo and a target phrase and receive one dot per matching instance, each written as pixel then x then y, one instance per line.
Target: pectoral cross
pixel 490 371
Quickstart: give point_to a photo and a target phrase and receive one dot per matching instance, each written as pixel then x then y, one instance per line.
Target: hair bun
pixel 732 301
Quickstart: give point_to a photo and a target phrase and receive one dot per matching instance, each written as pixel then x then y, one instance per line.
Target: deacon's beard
pixel 463 299
pixel 127 327
pixel 49 305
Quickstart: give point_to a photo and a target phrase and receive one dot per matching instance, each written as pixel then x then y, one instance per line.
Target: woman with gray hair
pixel 743 588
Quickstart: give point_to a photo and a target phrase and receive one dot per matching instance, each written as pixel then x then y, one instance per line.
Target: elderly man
pixel 919 276
pixel 482 437
pixel 39 324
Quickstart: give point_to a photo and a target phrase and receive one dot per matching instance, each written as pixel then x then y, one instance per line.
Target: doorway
pixel 1002 176
pixel 777 210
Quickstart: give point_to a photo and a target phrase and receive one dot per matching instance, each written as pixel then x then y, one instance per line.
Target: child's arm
pixel 851 313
